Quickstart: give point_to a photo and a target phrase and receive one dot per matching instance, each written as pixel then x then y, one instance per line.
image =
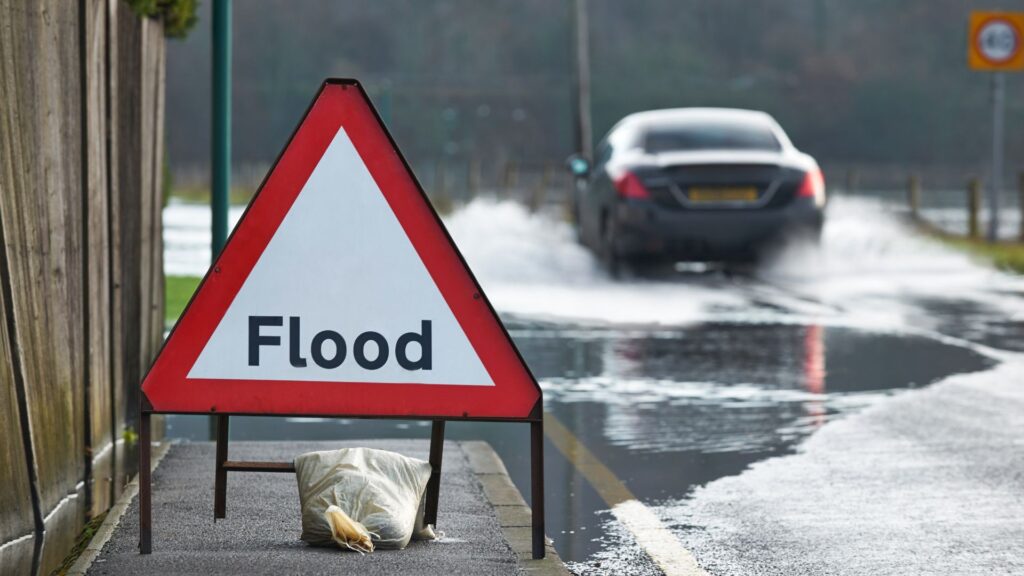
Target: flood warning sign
pixel 340 292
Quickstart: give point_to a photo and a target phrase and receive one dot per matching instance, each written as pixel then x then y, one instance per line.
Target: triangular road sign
pixel 340 293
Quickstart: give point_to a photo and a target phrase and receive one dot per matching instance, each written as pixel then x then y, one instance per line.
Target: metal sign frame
pixel 223 465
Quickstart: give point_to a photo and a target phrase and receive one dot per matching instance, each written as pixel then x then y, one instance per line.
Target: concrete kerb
pixel 514 516
pixel 106 530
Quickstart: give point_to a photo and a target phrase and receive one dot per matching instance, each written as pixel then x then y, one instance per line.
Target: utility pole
pixel 220 161
pixel 998 106
pixel 581 79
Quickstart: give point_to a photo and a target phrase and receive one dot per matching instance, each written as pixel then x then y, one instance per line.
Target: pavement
pixel 483 517
pixel 928 482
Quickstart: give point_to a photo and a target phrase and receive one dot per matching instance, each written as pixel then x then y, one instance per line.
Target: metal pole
pixel 221 160
pixel 220 169
pixel 434 484
pixel 220 474
pixel 998 97
pixel 537 487
pixel 145 485
pixel 581 79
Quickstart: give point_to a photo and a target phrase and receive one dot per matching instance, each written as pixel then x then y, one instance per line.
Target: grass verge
pixel 239 195
pixel 178 290
pixel 1003 255
pixel 1008 256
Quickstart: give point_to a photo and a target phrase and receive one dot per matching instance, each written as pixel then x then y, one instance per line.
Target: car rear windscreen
pixel 709 135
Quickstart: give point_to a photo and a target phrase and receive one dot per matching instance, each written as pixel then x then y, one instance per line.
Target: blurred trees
pixel 853 81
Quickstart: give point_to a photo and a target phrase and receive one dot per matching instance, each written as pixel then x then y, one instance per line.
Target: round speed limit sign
pixel 996 41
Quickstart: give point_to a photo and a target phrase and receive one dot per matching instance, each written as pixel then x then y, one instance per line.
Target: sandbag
pixel 377 490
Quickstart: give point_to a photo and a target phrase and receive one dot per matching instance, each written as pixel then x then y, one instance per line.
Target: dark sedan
pixel 695 184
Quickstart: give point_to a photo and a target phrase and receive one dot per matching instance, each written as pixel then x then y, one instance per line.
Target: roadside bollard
pixel 541 189
pixel 440 198
pixel 973 203
pixel 473 177
pixel 914 195
pixel 1020 203
pixel 439 183
pixel 510 178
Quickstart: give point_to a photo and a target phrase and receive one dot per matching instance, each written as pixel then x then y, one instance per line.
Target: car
pixel 695 184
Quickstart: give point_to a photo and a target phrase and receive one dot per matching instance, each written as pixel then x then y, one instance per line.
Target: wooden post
pixel 220 479
pixel 439 197
pixel 973 204
pixel 851 180
pixel 439 183
pixel 541 189
pixel 434 484
pixel 510 177
pixel 473 178
pixel 914 196
pixel 1020 203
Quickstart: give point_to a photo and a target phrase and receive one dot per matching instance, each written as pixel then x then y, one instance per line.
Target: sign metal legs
pixel 434 485
pixel 220 481
pixel 537 486
pixel 145 485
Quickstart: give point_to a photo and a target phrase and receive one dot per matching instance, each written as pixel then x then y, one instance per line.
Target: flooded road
pixel 675 381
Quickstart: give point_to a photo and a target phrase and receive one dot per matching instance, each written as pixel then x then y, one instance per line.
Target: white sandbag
pixel 378 489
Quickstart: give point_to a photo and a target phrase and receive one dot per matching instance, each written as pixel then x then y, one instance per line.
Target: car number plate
pixel 722 194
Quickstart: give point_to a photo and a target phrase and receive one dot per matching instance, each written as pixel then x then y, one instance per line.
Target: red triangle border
pixel 342 103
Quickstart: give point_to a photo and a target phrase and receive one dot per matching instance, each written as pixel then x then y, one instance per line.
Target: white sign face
pixel 997 41
pixel 340 295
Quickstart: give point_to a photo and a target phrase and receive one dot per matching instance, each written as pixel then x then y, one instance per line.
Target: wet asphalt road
pixel 678 381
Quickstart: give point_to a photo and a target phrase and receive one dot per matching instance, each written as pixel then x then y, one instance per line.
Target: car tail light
pixel 630 186
pixel 813 186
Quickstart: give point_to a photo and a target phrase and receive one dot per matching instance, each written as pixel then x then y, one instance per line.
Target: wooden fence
pixel 972 204
pixel 81 280
pixel 450 183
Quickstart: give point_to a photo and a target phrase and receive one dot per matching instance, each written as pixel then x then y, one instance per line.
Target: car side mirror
pixel 578 165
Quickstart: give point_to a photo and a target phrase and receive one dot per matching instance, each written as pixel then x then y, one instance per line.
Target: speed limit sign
pixel 996 41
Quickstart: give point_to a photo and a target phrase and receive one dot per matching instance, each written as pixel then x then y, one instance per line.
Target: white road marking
pixel 657 541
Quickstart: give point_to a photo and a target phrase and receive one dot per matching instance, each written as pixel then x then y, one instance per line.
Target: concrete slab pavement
pixel 484 519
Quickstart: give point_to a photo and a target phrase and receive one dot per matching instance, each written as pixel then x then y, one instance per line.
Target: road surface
pixel 818 415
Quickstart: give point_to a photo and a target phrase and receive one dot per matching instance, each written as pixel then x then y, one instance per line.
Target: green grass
pixel 178 290
pixel 1007 256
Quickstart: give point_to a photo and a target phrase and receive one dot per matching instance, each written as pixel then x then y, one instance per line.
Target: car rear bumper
pixel 646 231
